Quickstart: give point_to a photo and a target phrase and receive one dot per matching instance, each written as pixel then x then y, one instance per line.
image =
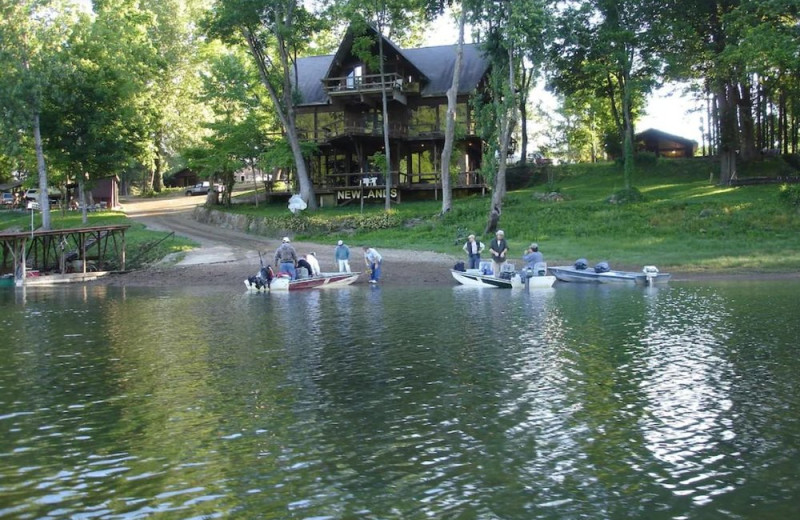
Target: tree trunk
pixel 745 105
pixel 527 78
pixel 508 118
pixel 44 200
pixel 82 199
pixel 450 124
pixel 627 147
pixel 387 149
pixel 158 172
pixel 728 132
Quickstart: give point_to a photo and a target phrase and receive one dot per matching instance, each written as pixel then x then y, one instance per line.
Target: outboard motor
pixel 650 273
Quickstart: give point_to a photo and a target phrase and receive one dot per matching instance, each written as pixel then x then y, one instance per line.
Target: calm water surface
pixel 680 402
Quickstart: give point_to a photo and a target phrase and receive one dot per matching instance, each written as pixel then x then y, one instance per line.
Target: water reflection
pixel 381 402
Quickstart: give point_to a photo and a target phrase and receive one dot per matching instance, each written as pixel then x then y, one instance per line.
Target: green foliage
pixel 790 194
pixel 626 196
pixel 684 221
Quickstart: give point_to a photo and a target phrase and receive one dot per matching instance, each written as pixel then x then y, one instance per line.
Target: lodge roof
pixel 658 135
pixel 435 63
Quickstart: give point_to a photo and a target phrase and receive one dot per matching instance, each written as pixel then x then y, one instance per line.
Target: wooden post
pixel 122 257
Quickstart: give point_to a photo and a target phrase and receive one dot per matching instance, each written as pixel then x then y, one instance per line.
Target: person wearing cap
pixel 499 249
pixel 373 259
pixel 473 249
pixel 286 259
pixel 342 257
pixel 532 256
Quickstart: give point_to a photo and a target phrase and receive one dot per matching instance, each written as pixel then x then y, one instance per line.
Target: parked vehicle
pixel 8 199
pixel 539 159
pixel 33 194
pixel 202 188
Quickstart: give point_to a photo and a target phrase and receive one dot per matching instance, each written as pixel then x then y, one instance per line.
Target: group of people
pixel 287 261
pixel 498 248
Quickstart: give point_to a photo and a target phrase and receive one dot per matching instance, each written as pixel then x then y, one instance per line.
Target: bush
pixel 626 196
pixel 790 194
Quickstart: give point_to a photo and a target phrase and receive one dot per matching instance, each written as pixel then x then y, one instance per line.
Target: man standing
pixel 342 256
pixel 286 258
pixel 473 248
pixel 499 249
pixel 373 260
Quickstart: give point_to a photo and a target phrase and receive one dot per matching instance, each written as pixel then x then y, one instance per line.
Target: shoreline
pixel 425 269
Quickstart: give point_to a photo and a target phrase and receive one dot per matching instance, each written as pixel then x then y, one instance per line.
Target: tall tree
pixel 33 35
pixel 275 32
pixel 510 31
pixel 237 135
pixel 610 47
pixel 92 119
pixel 176 54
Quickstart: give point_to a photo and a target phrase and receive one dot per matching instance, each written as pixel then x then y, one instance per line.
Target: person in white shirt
pixel 311 258
pixel 373 259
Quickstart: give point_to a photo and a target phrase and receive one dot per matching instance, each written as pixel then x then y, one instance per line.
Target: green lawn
pixel 686 221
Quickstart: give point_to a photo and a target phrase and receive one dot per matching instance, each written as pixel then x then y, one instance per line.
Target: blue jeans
pixel 474 261
pixel 288 267
pixel 376 271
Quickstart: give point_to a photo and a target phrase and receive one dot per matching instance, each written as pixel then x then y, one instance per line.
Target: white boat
pixel 475 278
pixel 284 283
pixel 649 275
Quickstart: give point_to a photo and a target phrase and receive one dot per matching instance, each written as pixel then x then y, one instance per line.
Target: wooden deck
pixel 63 251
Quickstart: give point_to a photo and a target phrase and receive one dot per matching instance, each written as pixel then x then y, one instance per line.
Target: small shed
pixel 665 145
pixel 182 178
pixel 107 190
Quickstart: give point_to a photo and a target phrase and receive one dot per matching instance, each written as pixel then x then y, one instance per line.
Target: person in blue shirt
pixel 342 257
pixel 532 256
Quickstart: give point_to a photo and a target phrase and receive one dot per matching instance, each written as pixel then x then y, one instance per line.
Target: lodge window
pixel 355 76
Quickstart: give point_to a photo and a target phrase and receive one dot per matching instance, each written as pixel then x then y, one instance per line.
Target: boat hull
pixel 515 282
pixel 321 281
pixel 570 274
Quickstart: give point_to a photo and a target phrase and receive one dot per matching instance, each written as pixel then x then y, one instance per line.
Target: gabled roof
pixel 346 47
pixel 658 135
pixel 434 63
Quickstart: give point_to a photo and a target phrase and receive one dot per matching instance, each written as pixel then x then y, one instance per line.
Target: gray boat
pixel 649 275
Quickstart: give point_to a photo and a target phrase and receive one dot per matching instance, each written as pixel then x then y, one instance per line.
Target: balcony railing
pixel 371 83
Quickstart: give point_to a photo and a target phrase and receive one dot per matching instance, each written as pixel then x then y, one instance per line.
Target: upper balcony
pixel 365 88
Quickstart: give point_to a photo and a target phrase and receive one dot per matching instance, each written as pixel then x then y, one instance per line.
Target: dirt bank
pixel 226 257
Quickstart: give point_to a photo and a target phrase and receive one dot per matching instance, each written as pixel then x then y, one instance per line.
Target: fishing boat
pixel 511 280
pixel 649 275
pixel 261 282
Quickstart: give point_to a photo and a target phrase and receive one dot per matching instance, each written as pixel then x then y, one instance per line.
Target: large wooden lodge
pixel 340 109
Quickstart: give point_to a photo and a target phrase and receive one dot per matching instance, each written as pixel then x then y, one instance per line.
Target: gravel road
pixel 228 257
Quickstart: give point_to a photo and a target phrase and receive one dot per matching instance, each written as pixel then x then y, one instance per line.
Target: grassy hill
pixel 685 221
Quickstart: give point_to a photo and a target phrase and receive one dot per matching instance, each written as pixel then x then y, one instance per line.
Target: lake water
pixel 680 402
